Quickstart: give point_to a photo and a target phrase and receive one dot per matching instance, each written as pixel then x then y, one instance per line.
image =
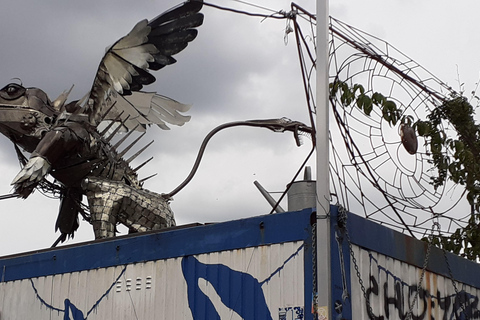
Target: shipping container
pixel 257 268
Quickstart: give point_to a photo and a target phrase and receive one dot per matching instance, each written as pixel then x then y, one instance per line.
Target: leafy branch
pixel 349 95
pixel 456 158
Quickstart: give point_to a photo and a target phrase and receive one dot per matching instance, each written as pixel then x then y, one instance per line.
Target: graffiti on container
pixel 247 301
pixel 290 313
pixel 237 293
pixel 392 299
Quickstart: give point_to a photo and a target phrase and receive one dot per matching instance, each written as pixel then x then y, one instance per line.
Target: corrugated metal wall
pixel 249 283
pixel 391 287
pixel 375 266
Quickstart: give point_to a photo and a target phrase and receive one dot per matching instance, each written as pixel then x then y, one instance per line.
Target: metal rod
pixel 121 154
pixel 277 125
pixel 112 122
pixel 8 196
pixel 268 197
pixel 115 147
pixel 61 238
pixel 110 137
pixel 129 160
pixel 144 163
pixel 323 252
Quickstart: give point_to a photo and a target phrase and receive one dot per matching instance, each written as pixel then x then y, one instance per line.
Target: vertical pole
pixel 323 189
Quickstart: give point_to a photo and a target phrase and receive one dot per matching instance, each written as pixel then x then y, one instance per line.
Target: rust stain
pixel 427 288
pixel 411 245
pixel 435 308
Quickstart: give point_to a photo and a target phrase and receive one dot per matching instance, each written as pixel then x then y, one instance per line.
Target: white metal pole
pixel 323 188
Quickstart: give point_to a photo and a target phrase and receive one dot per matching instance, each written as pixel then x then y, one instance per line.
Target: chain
pixel 450 273
pixel 314 268
pixel 342 219
pixel 422 275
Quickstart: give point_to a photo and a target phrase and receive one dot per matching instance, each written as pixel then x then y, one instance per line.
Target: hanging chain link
pixel 422 275
pixel 435 225
pixel 314 269
pixel 450 273
pixel 342 221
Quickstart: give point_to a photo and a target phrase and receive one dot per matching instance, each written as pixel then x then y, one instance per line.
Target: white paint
pixel 210 292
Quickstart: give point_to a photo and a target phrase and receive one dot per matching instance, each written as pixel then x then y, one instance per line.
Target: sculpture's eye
pixel 12 91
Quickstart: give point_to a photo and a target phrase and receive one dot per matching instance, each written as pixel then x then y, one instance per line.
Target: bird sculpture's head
pixel 25 115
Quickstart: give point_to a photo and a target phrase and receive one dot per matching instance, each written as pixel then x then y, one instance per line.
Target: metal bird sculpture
pixel 72 141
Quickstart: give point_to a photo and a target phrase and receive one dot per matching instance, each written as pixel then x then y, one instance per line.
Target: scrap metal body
pixel 72 141
pixel 83 162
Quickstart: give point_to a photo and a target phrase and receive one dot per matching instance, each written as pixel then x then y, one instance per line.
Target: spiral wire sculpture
pixel 372 173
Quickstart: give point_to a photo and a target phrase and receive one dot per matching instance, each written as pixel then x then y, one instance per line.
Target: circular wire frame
pixel 372 170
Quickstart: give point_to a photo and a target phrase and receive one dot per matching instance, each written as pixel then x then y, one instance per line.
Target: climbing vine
pixel 456 158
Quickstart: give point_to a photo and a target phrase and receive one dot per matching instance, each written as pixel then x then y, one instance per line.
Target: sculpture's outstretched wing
pixel 124 68
pixel 143 108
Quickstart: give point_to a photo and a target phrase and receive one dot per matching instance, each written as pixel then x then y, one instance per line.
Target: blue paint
pixel 42 301
pixel 256 231
pixel 240 293
pixel 308 276
pixel 341 303
pixel 276 228
pixel 69 308
pixel 375 237
pixel 295 313
pixel 387 272
pixel 283 265
pixel 237 290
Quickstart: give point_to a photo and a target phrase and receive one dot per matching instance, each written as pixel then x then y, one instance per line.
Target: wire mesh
pixel 371 172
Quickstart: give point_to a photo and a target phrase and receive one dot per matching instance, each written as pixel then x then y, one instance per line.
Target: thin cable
pixel 293 180
pixel 309 106
pixel 255 5
pixel 131 299
pixel 374 181
pixel 275 15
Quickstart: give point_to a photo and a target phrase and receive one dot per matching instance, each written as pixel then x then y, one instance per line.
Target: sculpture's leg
pixel 138 209
pixel 104 204
pixel 143 210
pixel 103 224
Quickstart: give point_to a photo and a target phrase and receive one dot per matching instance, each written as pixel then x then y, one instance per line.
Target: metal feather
pixel 129 160
pixel 115 147
pixel 141 166
pixel 121 154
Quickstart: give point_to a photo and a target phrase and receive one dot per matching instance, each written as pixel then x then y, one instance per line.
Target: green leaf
pixel 360 101
pixel 459 146
pixel 390 105
pixel 422 128
pixel 367 105
pixel 360 88
pixel 378 98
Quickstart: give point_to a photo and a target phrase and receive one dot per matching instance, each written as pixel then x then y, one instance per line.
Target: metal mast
pixel 323 190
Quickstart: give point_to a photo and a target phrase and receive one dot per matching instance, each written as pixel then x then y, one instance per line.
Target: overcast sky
pixel 238 68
